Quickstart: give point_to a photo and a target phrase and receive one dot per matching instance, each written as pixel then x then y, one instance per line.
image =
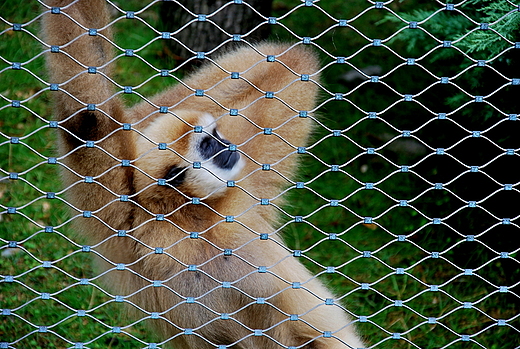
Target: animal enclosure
pixel 403 202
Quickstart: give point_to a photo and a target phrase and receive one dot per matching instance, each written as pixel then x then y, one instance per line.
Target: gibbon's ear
pixel 188 153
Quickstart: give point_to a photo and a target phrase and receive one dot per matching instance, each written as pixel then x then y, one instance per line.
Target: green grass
pixel 353 236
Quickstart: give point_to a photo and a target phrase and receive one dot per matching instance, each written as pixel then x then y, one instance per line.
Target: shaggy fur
pixel 180 236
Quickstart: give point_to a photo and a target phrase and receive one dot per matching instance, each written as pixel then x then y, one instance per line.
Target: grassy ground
pixel 353 234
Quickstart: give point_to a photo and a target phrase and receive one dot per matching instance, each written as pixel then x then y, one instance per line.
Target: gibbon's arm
pixel 80 67
pixel 87 109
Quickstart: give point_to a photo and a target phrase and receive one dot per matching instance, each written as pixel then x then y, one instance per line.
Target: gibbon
pixel 178 194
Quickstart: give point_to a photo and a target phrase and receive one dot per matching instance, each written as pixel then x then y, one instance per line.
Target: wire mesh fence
pixel 403 203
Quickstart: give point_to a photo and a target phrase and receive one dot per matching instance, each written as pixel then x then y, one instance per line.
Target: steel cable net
pixel 403 203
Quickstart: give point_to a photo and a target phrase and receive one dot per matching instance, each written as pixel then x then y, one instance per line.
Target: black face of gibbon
pixel 216 147
pixel 211 147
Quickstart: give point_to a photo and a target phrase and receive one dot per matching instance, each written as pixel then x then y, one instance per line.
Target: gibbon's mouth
pixel 227 159
pixel 216 147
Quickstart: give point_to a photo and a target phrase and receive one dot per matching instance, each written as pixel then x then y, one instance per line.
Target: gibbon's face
pixel 184 147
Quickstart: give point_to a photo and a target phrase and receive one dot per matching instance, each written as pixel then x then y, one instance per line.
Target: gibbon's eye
pixel 211 145
pixel 175 176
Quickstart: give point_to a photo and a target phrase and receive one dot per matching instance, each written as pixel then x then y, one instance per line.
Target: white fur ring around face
pixel 219 163
pixel 186 147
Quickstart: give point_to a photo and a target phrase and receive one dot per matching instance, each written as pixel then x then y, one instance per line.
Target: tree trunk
pixel 211 23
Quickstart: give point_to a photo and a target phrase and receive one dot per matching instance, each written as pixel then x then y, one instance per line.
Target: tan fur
pixel 221 282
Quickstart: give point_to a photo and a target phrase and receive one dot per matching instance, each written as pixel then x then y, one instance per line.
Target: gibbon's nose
pixel 217 148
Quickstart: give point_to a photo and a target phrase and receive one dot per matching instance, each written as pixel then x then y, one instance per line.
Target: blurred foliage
pixel 485 30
